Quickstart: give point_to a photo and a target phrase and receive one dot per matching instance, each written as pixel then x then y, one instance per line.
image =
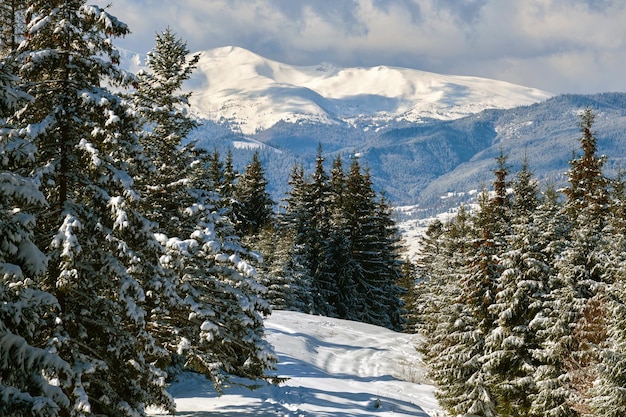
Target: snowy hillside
pixel 254 93
pixel 335 368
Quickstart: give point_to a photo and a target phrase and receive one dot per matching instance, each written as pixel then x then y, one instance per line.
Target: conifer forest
pixel 128 254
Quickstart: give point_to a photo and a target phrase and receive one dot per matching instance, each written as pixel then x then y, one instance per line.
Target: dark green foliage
pixel 348 242
pixel 252 207
pixel 521 324
pixel 28 312
pixel 134 263
pixel 208 308
pixel 93 230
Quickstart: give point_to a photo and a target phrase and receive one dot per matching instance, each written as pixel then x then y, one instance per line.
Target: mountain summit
pixel 253 93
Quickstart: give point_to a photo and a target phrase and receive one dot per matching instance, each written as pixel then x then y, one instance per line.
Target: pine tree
pixel 166 123
pixel 209 311
pixel 28 311
pixel 441 306
pixel 521 289
pixel 567 326
pixel 219 327
pixel 283 272
pixel 230 178
pixel 294 222
pixel 93 230
pixel 338 262
pixel 252 206
pixel 462 366
pixel 12 17
pixel 583 263
pixel 607 397
pixel 317 206
pixel 374 247
pixel 410 295
pixel 475 320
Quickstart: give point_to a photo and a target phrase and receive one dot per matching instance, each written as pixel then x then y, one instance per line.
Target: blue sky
pixel 562 46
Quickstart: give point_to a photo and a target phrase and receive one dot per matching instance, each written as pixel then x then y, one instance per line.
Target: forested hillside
pixel 522 301
pixel 418 163
pixel 129 254
pixel 116 269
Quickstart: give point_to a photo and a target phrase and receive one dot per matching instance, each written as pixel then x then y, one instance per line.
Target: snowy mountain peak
pixel 254 93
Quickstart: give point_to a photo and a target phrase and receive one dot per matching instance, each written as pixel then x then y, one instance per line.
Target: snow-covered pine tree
pixel 471 393
pixel 461 366
pixel 608 395
pixel 521 289
pixel 163 109
pixel 442 266
pixel 568 323
pixel 428 280
pixel 550 323
pixel 88 153
pixel 12 17
pixel 282 272
pixel 213 314
pixel 583 263
pixel 374 248
pixel 28 312
pixel 252 207
pixel 220 332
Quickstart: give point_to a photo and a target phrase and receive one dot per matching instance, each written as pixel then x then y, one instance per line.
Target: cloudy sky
pixel 562 46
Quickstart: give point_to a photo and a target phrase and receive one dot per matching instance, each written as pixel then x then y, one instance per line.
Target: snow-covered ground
pixel 334 368
pixel 254 93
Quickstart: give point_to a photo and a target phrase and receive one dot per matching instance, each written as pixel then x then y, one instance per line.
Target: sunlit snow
pixel 334 368
pixel 254 93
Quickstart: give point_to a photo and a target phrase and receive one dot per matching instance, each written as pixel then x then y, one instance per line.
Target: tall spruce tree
pixel 521 289
pixel 166 123
pixel 581 266
pixel 293 221
pixel 92 232
pixel 374 249
pixel 441 305
pixel 28 311
pixel 608 395
pixel 211 315
pixel 339 261
pixel 317 205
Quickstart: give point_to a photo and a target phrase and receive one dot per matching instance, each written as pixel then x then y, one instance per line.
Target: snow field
pixel 334 368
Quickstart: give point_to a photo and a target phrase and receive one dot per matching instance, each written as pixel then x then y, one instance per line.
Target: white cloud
pixel 558 45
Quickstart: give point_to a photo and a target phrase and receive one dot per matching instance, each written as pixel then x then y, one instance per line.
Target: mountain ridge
pixel 413 160
pixel 254 93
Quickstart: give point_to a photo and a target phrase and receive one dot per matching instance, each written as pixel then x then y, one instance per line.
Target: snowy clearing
pixel 335 368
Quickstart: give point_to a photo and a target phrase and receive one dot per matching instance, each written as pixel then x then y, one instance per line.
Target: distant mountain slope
pixel 417 163
pixel 253 93
pixel 546 133
pixel 421 135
